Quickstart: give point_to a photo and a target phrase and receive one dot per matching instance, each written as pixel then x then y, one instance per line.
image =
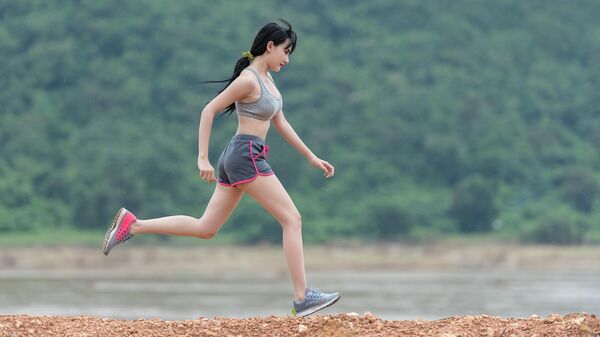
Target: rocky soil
pixel 341 325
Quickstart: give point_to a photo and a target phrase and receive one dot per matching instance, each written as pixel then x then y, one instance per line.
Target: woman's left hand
pixel 323 165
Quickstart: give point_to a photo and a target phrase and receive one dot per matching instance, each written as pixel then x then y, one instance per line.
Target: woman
pixel 243 167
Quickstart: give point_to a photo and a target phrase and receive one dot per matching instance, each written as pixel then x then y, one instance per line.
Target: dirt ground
pixel 341 325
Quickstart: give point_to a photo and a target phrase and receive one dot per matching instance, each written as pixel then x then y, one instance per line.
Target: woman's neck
pixel 260 66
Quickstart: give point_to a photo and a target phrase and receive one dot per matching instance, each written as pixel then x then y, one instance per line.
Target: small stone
pixel 448 335
pixel 578 320
pixel 370 316
pixel 352 314
pixel 302 329
pixel 552 318
pixel 31 331
pixel 379 326
pixel 534 316
pixel 489 332
pixel 18 324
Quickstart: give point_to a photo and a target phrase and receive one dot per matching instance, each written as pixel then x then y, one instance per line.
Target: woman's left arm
pixel 287 132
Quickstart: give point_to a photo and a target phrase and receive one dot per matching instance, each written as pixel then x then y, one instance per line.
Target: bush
pixel 473 207
pixel 388 216
pixel 563 227
pixel 580 189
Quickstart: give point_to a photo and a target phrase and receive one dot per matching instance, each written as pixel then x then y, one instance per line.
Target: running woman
pixel 242 166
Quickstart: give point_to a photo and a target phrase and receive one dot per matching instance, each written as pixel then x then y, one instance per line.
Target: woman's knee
pixel 209 235
pixel 205 230
pixel 293 220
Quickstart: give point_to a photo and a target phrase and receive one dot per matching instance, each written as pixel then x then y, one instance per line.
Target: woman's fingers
pixel 209 176
pixel 328 168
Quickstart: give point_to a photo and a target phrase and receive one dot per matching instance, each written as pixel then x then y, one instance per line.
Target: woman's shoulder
pixel 244 86
pixel 246 78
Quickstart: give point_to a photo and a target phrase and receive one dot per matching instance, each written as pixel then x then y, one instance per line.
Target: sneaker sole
pixel 321 307
pixel 118 218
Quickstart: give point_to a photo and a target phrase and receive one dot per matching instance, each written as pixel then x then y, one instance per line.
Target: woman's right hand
pixel 207 172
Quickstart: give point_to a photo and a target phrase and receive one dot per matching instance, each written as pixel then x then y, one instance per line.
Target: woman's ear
pixel 270 46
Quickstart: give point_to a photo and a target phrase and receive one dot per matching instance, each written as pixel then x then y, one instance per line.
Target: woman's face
pixel 279 55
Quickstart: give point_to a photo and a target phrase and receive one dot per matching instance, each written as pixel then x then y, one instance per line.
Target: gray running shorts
pixel 244 158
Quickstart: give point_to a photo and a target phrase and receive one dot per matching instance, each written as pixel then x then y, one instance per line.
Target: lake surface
pixel 388 294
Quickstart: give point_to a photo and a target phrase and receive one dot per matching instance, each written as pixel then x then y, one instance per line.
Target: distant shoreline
pixel 148 258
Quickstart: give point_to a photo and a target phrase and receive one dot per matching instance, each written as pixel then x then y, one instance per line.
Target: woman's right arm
pixel 236 91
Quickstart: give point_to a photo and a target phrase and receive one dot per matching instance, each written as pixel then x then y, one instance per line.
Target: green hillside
pixel 442 118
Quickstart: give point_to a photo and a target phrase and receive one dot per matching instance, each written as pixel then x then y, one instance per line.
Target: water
pixel 388 294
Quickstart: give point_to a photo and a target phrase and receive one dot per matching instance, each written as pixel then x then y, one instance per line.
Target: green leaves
pixel 438 116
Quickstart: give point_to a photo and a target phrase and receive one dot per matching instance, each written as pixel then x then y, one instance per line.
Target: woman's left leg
pixel 222 203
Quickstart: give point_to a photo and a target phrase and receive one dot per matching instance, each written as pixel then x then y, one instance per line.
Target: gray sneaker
pixel 314 300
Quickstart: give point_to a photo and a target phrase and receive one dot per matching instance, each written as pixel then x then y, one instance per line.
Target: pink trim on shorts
pixel 258 173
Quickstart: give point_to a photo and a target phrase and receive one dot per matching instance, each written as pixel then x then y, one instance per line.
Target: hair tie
pixel 248 55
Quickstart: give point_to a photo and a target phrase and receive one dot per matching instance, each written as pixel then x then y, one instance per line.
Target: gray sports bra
pixel 265 107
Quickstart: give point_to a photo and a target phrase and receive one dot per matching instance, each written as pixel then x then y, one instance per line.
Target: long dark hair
pixel 270 32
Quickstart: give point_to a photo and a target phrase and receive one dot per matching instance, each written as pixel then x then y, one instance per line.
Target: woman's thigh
pixel 272 196
pixel 222 203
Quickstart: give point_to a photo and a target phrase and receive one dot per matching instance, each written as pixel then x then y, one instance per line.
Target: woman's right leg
pixel 271 195
pixel 222 203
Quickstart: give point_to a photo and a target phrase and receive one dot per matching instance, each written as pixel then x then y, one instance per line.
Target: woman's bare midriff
pixel 253 126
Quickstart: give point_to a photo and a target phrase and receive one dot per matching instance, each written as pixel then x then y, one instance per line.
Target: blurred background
pixel 465 135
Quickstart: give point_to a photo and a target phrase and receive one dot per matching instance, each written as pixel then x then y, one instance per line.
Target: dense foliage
pixel 440 116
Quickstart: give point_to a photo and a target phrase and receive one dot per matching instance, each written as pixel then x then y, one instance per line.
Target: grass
pixel 67 236
pixel 53 236
pixel 78 237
